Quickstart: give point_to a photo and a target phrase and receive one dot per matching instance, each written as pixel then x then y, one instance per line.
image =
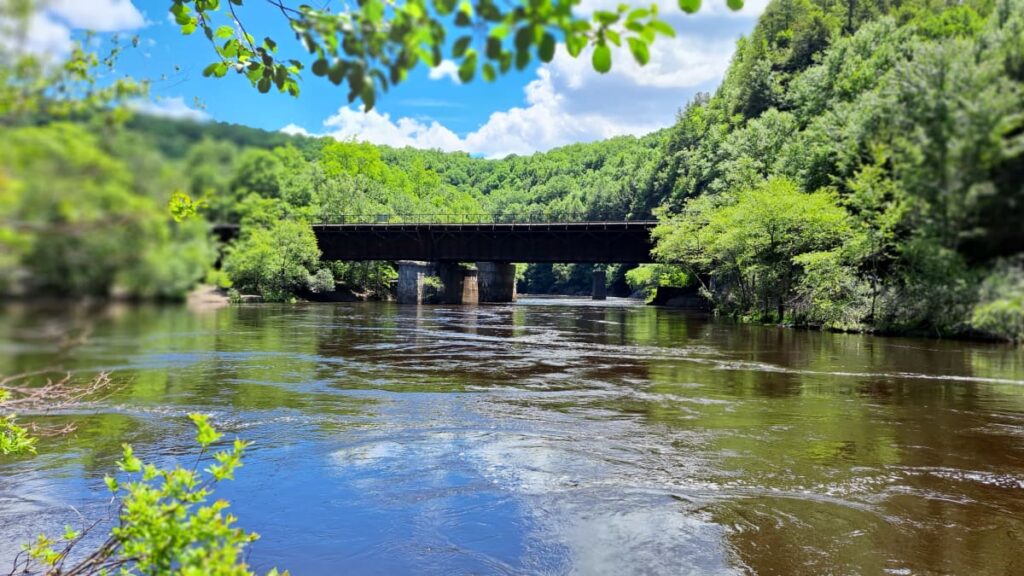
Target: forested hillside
pixel 860 167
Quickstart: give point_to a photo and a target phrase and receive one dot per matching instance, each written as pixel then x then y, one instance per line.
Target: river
pixel 544 437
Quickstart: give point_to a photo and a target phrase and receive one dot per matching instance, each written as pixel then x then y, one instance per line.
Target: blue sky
pixel 539 108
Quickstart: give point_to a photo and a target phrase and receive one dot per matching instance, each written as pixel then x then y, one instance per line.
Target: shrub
pixel 322 281
pixel 648 277
pixel 1000 309
pixel 275 262
pixel 168 521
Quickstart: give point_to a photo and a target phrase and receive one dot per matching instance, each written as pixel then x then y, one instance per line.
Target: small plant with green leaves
pixel 182 207
pixel 13 438
pixel 168 521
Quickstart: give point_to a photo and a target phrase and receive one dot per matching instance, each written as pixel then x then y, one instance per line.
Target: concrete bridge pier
pixel 600 290
pixel 497 281
pixel 459 283
pixel 411 274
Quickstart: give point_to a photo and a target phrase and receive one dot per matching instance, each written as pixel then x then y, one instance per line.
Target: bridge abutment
pixel 411 276
pixel 497 281
pixel 459 283
pixel 600 289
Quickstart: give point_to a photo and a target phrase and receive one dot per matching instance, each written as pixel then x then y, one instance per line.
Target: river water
pixel 544 437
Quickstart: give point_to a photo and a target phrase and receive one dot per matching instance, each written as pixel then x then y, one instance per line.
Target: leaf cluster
pixel 168 520
pixel 375 44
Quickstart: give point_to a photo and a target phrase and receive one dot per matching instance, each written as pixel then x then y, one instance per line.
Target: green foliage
pixel 33 86
pixel 906 117
pixel 433 283
pixel 751 244
pixel 1000 310
pixel 275 262
pixel 322 281
pixel 168 521
pixel 182 207
pixel 258 172
pixel 13 438
pixel 75 222
pixel 374 45
pixel 647 278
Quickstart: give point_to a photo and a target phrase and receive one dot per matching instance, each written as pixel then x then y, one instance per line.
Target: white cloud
pixel 43 36
pixel 50 30
pixel 446 69
pixel 98 15
pixel 295 130
pixel 174 107
pixel 380 129
pixel 567 102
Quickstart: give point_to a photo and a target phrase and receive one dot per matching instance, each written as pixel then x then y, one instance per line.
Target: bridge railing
pixel 501 218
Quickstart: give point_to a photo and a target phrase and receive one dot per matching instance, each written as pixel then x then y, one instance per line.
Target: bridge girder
pixel 576 242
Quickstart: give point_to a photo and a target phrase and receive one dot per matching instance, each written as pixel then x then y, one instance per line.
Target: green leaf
pixel 500 31
pixel 128 462
pixel 638 14
pixel 606 18
pixel 663 28
pixel 602 58
pixel 461 45
pixel 691 6
pixel 524 37
pixel 337 72
pixel 320 67
pixel 734 4
pixel 639 50
pixel 488 72
pixel 522 59
pixel 218 69
pixel 493 48
pixel 575 45
pixel 546 51
pixel 205 434
pixel 368 94
pixel 224 32
pixel 468 67
pixel 444 7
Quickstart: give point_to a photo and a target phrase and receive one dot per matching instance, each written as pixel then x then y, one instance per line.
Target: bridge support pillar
pixel 459 283
pixel 600 285
pixel 410 281
pixel 497 281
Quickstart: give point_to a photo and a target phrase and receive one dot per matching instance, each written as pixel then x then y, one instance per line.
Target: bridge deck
pixel 579 242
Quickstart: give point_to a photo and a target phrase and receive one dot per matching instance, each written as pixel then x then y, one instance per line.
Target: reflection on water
pixel 547 437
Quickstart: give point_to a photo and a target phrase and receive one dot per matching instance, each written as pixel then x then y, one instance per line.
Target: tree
pixel 257 172
pixel 32 86
pixel 275 262
pixel 750 244
pixel 376 44
pixel 72 222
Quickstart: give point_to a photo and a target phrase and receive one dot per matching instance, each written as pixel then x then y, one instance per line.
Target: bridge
pixel 423 245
